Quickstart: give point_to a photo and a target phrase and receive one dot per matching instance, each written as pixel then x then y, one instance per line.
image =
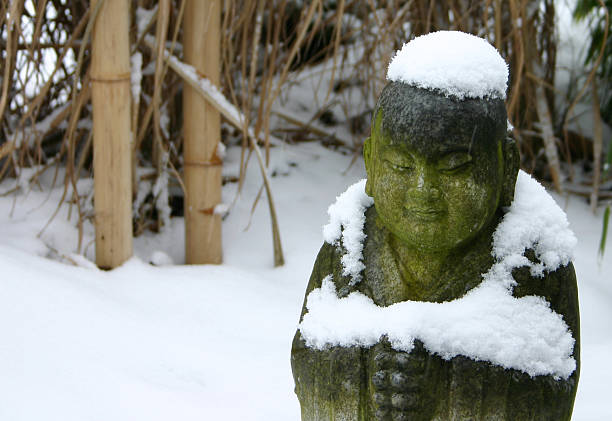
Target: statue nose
pixel 425 186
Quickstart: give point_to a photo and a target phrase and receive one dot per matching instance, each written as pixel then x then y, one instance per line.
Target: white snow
pixel 160 192
pixel 144 188
pixel 159 258
pixel 136 75
pixel 164 121
pixel 456 63
pixel 202 342
pixel 488 323
pixel 221 209
pixel 345 228
pixel 25 177
pixel 221 149
pixel 143 18
pixel 204 83
pixel 31 134
pixel 534 220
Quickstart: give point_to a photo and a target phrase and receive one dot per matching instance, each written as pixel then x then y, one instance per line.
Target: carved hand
pixel 396 382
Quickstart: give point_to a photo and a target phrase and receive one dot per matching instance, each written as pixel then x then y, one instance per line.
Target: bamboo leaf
pixel 608 162
pixel 604 232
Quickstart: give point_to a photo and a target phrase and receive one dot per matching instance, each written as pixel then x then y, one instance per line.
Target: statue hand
pixel 396 382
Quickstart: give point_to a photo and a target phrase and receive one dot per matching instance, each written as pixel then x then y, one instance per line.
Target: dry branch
pixel 265 48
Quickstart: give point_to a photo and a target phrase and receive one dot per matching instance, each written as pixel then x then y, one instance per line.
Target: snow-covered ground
pixel 176 342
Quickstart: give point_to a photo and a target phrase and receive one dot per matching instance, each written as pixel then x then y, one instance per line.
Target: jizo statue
pixel 434 246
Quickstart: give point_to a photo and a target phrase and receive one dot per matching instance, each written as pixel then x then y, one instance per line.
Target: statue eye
pixel 399 167
pixel 454 162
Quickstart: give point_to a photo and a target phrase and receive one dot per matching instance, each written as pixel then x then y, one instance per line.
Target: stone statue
pixel 441 174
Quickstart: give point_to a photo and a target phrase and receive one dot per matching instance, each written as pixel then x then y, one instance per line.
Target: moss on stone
pixel 440 172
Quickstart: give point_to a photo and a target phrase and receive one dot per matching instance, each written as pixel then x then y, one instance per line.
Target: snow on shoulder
pixel 456 63
pixel 345 228
pixel 534 221
pixel 488 323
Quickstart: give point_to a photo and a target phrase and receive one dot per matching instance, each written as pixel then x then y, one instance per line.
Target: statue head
pixel 439 167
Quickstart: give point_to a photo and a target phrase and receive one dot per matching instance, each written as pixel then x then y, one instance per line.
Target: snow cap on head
pixel 455 63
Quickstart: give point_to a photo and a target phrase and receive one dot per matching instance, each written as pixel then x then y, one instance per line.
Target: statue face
pixel 434 189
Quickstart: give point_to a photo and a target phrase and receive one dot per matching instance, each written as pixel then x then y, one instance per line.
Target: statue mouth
pixel 425 214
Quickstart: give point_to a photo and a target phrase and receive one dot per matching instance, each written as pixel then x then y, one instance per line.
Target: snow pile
pixel 159 258
pixel 144 334
pixel 488 323
pixel 485 325
pixel 535 221
pixel 456 63
pixel 345 228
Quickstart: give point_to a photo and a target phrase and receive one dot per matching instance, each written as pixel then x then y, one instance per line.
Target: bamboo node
pixel 111 79
pixel 208 211
pixel 214 162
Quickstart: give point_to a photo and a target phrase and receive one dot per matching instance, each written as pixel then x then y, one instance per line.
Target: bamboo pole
pixel 110 76
pixel 216 99
pixel 548 137
pixel 202 133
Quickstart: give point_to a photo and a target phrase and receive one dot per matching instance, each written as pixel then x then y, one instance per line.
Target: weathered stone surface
pixel 440 172
pixel 380 383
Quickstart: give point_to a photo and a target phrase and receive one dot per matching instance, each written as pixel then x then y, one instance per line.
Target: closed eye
pixel 454 162
pixel 457 168
pixel 399 167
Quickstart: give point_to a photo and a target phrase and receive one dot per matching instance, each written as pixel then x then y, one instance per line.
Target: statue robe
pixel 380 383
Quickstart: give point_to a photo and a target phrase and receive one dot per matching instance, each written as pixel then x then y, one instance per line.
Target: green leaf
pixel 584 7
pixel 604 231
pixel 608 162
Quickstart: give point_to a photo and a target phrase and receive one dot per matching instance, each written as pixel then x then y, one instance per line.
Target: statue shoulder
pixel 328 382
pixel 327 263
pixel 559 288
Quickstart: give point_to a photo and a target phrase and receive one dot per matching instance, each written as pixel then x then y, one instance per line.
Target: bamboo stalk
pixel 110 76
pixel 498 24
pixel 548 137
pixel 161 32
pixel 237 119
pixel 202 133
pixel 518 46
pixel 160 156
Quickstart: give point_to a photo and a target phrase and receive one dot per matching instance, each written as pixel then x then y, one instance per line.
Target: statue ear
pixel 511 166
pixel 367 157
